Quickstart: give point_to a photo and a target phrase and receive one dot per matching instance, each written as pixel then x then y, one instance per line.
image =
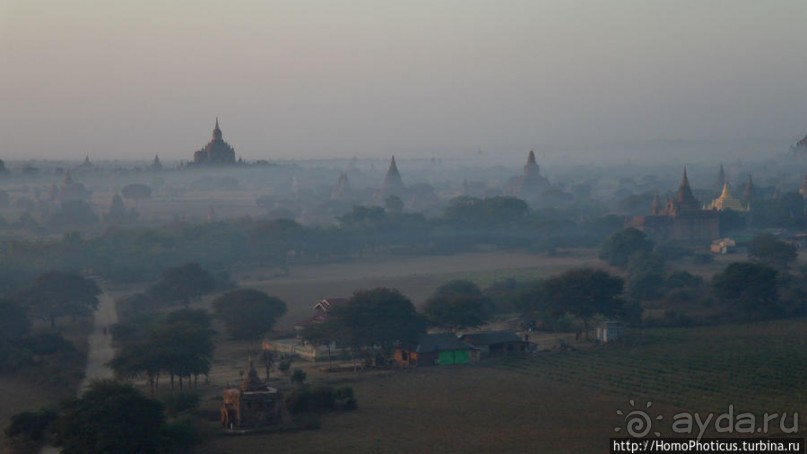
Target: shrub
pixel 298 401
pixel 323 398
pixel 179 436
pixel 298 376
pixel 176 403
pixel 31 425
pixel 345 398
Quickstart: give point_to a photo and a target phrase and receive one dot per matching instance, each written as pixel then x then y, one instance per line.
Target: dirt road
pixel 100 349
pixel 100 342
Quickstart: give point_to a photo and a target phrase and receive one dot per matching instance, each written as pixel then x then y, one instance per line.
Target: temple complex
pixel 681 218
pixel 216 152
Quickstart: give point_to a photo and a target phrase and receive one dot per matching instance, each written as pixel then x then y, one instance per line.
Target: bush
pixel 344 398
pixel 176 403
pixel 298 401
pixel 298 376
pixel 323 398
pixel 179 436
pixel 31 425
pixel 48 344
pixel 343 392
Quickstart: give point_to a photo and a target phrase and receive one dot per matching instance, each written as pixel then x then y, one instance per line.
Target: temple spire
pixel 721 177
pixel 531 157
pixel 685 198
pixel 217 131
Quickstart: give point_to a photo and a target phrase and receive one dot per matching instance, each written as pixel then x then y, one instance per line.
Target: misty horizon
pixel 593 80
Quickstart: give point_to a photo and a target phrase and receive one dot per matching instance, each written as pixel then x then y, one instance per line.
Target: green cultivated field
pixel 756 367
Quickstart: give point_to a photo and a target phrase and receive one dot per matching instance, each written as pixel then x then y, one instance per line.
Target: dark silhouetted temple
pixel 216 152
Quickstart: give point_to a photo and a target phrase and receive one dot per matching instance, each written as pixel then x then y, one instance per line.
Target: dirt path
pixel 100 349
pixel 100 342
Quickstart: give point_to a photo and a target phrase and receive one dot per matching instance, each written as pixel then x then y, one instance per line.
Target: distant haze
pixel 416 78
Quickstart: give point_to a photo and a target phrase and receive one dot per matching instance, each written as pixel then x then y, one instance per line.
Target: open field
pixel 415 277
pixel 756 367
pixel 549 402
pixel 559 401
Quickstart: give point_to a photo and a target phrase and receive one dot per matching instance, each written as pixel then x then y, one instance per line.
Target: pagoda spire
pixel 685 197
pixel 531 157
pixel 721 177
pixel 217 131
pixel 393 184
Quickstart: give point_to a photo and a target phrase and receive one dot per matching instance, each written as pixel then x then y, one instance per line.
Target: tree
pixel 182 283
pixel 14 322
pixel 645 275
pixel 751 287
pixel 56 294
pixel 378 317
pixel 585 293
pixel 184 349
pixel 458 304
pixel 248 313
pixel 136 192
pixel 767 249
pixel 14 327
pixel 110 417
pixel 619 246
pixel 180 346
pixel 322 334
pixel 485 212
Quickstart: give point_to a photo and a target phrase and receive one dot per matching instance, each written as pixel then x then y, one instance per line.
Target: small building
pixel 321 310
pixel 435 349
pixel 496 343
pixel 610 331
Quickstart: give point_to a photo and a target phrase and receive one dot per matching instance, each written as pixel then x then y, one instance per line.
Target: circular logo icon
pixel 638 423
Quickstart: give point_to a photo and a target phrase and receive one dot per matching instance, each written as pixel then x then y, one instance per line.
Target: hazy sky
pixel 330 78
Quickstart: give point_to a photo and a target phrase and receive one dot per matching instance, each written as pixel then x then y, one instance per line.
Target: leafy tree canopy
pixel 585 293
pixel 620 246
pixel 380 316
pixel 769 250
pixel 182 283
pixel 110 417
pixel 458 304
pixel 14 322
pixel 492 211
pixel 248 313
pixel 751 287
pixel 57 294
